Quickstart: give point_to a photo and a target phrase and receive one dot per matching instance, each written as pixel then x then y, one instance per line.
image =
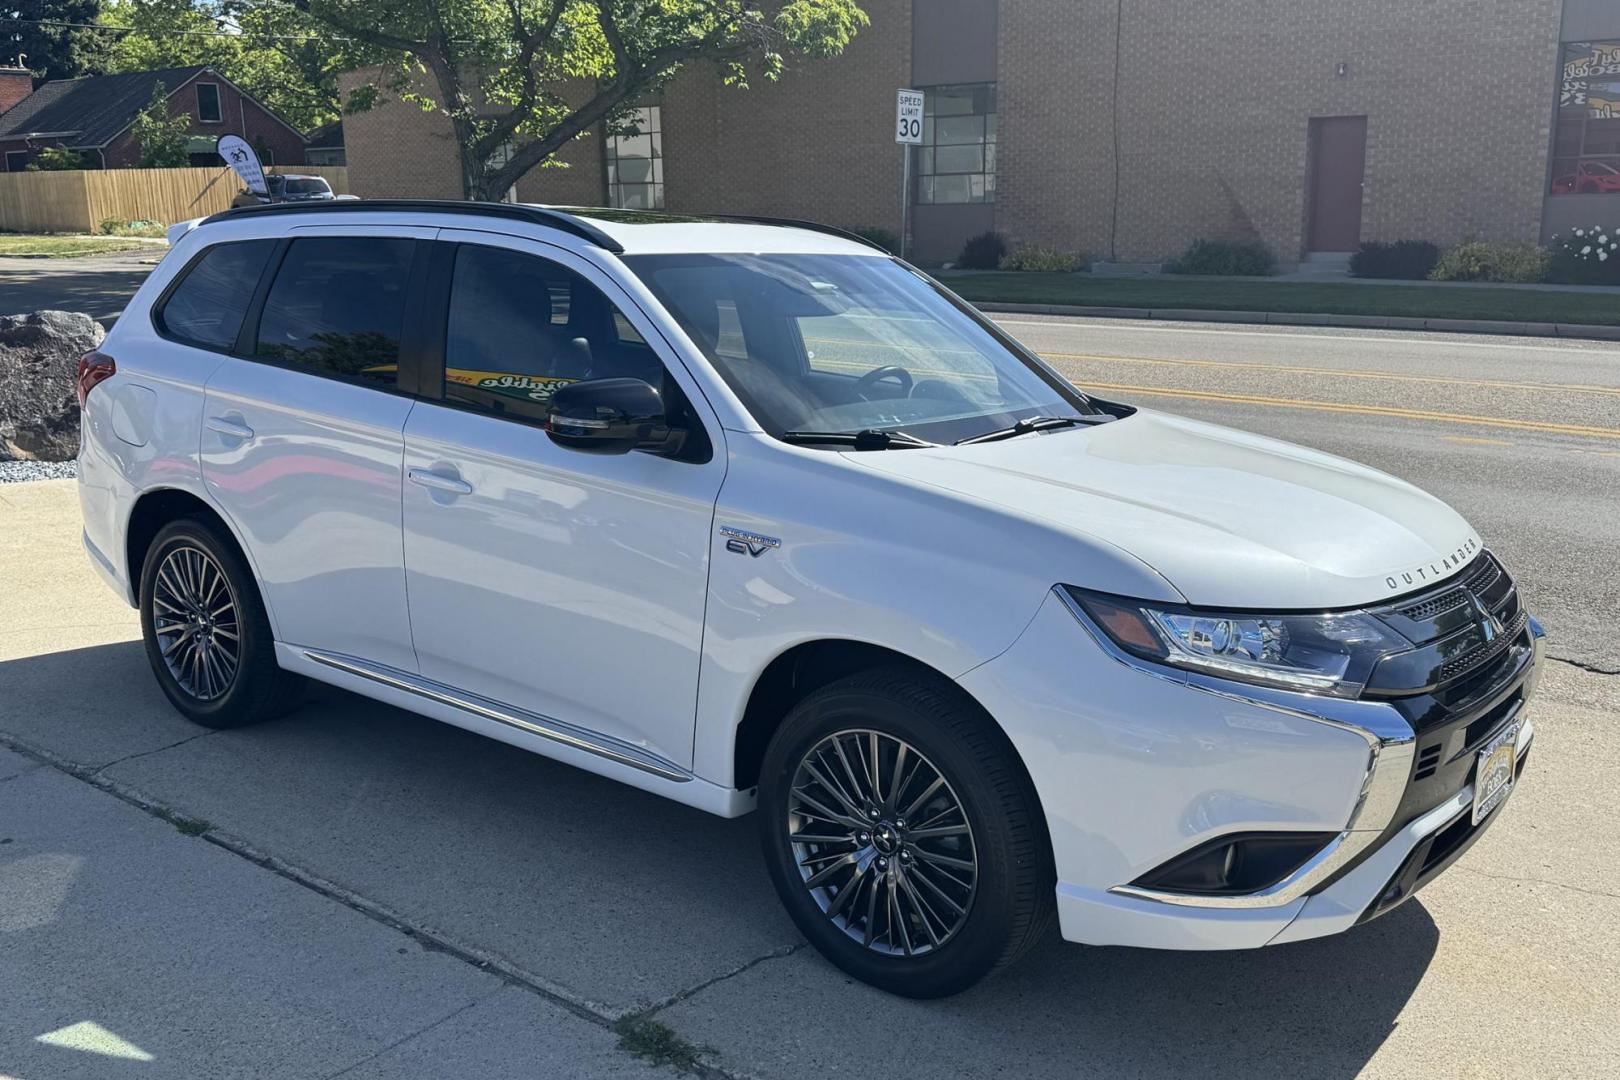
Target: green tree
pixel 267 49
pixel 50 34
pixel 56 159
pixel 519 79
pixel 161 137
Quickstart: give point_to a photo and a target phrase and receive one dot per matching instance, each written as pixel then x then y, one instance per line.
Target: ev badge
pixel 743 542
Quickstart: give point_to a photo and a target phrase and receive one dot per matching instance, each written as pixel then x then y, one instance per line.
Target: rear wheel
pixel 902 836
pixel 207 637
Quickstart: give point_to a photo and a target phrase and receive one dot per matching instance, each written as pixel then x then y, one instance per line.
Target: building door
pixel 1338 163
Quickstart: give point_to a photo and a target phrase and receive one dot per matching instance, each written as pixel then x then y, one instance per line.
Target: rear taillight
pixel 93 367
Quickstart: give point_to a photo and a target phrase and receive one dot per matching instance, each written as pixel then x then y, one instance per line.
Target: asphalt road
pixel 98 285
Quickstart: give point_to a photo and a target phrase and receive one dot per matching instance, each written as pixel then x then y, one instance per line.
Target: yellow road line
pixel 1495 384
pixel 1366 410
pixel 1475 441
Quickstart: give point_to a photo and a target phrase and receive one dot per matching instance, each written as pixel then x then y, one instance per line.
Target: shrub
pixel 1480 260
pixel 1586 257
pixel 983 252
pixel 1236 258
pixel 1043 259
pixel 1409 260
pixel 115 226
pixel 56 159
pixel 887 239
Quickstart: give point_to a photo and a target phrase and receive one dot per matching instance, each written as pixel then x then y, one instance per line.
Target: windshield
pixel 307 187
pixel 851 343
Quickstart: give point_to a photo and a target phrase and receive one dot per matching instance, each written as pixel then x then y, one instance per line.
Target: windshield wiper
pixel 866 439
pixel 1034 423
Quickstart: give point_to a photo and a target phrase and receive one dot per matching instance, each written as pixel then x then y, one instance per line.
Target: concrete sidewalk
pixel 131 945
pixel 361 876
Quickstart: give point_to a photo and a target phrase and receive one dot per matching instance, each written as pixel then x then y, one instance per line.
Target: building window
pixel 208 103
pixel 16 160
pixel 635 160
pixel 956 162
pixel 1586 148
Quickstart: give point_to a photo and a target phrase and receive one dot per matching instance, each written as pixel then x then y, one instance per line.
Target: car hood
pixel 1229 519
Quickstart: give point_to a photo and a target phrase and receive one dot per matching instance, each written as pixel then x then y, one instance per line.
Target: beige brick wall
pixel 396 150
pixel 1215 102
pixel 817 144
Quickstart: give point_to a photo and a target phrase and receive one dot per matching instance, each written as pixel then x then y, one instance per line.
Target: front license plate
pixel 1493 776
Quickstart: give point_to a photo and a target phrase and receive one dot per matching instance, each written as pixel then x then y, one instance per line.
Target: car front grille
pixel 1459 630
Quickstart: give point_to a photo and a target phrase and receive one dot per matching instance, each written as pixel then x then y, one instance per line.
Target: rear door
pixel 302 444
pixel 568 584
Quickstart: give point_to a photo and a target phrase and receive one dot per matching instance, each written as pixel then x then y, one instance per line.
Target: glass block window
pixel 956 162
pixel 635 160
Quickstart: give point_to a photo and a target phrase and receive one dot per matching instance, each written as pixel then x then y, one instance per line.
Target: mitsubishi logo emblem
pixel 1489 624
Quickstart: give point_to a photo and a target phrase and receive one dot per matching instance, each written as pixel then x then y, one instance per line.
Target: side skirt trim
pixel 510 715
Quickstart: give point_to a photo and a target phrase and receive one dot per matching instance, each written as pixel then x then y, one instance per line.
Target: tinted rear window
pixel 338 305
pixel 207 307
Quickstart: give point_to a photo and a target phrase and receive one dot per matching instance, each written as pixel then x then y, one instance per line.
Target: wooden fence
pixel 78 201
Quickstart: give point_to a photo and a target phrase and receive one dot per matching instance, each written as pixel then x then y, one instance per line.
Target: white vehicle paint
pixel 648 615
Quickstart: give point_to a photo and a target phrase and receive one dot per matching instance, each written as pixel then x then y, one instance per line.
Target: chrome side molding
pixel 533 723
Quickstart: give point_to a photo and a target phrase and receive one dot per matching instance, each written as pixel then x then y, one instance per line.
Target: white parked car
pixel 755 517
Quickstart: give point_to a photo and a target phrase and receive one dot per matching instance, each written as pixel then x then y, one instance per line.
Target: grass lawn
pixel 1330 298
pixel 62 247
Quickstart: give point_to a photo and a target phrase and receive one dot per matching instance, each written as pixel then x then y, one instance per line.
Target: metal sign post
pixel 908 133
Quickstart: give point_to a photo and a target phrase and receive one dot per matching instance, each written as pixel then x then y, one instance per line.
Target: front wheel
pixel 902 835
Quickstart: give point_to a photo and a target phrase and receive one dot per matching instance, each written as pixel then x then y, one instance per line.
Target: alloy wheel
pixel 882 842
pixel 195 617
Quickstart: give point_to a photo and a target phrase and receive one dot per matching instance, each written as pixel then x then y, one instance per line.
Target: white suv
pixel 752 515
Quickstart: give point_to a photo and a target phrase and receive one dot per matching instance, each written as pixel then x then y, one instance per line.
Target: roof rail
pixel 534 215
pixel 625 214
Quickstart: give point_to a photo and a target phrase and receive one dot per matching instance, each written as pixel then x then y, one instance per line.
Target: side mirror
pixel 611 416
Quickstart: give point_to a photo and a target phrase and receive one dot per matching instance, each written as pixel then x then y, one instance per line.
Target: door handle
pixel 438 481
pixel 230 428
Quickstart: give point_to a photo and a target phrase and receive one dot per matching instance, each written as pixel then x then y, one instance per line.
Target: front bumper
pixel 1135 766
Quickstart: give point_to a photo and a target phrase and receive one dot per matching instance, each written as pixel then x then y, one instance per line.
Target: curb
pixel 1281 318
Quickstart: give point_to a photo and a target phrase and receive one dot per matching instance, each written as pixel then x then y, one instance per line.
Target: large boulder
pixel 39 403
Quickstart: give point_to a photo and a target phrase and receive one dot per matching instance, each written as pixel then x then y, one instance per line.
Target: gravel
pixel 16 472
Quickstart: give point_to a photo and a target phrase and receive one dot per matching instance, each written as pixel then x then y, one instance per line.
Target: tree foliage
pixel 267 49
pixel 56 159
pixel 161 137
pixel 51 51
pixel 519 79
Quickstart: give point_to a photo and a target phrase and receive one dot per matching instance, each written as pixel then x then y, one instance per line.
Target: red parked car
pixel 1589 178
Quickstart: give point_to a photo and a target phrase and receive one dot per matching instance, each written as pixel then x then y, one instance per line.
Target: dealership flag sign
pixel 243 162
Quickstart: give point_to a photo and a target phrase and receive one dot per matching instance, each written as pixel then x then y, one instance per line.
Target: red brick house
pixel 93 116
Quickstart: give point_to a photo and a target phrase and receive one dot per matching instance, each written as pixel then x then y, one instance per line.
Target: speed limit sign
pixel 909 117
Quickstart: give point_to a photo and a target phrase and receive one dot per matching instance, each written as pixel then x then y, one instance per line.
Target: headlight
pixel 1324 654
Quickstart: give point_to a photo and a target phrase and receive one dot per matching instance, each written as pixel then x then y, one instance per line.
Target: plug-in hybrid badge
pixel 743 542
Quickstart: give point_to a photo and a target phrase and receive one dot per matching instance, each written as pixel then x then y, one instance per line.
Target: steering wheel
pixel 877 375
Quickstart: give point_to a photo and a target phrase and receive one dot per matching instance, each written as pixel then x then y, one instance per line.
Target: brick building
pixel 1125 129
pixel 93 115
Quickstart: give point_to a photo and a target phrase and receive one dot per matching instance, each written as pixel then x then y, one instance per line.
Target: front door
pixel 1338 164
pixel 302 441
pixel 569 585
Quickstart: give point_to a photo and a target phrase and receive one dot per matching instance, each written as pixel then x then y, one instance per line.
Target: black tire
pixel 1011 903
pixel 258 688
